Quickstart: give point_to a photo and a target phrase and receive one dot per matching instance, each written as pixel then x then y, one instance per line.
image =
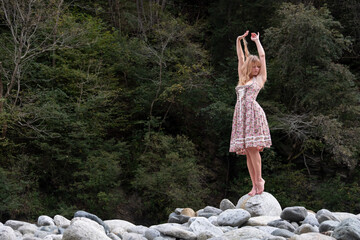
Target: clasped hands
pixel 254 36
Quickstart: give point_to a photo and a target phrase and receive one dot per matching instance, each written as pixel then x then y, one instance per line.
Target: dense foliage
pixel 124 108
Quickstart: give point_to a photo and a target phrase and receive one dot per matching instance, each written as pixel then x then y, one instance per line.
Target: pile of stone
pixel 253 218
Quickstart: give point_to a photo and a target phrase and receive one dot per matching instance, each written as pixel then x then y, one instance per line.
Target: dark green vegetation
pixel 124 108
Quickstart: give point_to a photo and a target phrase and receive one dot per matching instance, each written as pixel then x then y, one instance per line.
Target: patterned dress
pixel 250 127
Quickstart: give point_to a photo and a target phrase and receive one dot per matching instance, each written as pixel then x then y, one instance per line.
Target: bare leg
pixel 256 163
pixel 252 174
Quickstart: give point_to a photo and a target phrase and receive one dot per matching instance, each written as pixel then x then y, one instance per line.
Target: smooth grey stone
pixel 283 224
pixel 210 209
pixel 177 218
pixel 213 220
pixel 53 237
pixel 178 210
pixel 349 229
pixel 295 224
pixel 246 233
pixel 324 214
pixel 294 214
pixel 139 229
pixel 233 217
pixel 28 229
pixel 14 224
pixel 61 221
pixel 201 225
pixel 151 234
pixel 94 218
pixel 7 233
pixel 202 213
pixel 344 215
pixel 117 223
pixel 52 229
pixel 226 204
pixel 132 236
pixel 218 238
pixel 227 228
pixel 263 204
pixel 306 228
pixel 174 230
pixel 328 225
pixel 283 233
pixel 276 238
pixel 44 220
pixel 267 229
pixel 312 220
pixel 159 238
pixel 41 234
pixel 84 229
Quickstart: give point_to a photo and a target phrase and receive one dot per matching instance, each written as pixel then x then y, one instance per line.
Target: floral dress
pixel 250 127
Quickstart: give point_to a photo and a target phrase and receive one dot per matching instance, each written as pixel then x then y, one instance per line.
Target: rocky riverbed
pixel 253 218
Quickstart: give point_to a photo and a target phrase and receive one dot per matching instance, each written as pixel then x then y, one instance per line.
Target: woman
pixel 250 131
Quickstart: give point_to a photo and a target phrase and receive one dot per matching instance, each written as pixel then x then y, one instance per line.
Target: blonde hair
pixel 246 68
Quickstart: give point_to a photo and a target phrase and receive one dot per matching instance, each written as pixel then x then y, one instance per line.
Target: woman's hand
pixel 255 36
pixel 243 36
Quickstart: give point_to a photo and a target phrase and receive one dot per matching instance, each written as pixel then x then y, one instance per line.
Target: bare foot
pixel 252 192
pixel 260 186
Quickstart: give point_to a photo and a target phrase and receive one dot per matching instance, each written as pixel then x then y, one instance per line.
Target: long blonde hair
pixel 246 68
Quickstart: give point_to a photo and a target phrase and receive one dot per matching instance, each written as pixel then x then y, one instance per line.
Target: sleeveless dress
pixel 250 127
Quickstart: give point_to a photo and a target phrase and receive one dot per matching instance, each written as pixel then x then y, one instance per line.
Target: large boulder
pixel 7 233
pixel 263 204
pixel 311 236
pixel 349 229
pixel 324 215
pixel 84 229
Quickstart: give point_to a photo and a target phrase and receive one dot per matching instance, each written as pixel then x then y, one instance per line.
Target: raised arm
pixel 240 53
pixel 261 52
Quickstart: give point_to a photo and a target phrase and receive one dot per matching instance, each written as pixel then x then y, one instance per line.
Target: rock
pixel 312 220
pixel 112 224
pixel 324 214
pixel 328 225
pixel 50 229
pixel 201 225
pixel 311 236
pixel 84 229
pixel 113 236
pixel 276 238
pixel 189 212
pixel 213 220
pixel 28 229
pixel 53 237
pixel 94 218
pixel 15 224
pixel 295 224
pixel 233 217
pixel 343 215
pixel 132 236
pixel 306 228
pixel 41 234
pixel 283 224
pixel 261 220
pixel 177 218
pixel 263 204
pixel 218 238
pixel 295 214
pixel 226 204
pixel 151 234
pixel 61 221
pixel 283 233
pixel 139 229
pixel 7 233
pixel 266 229
pixel 45 221
pixel 174 230
pixel 349 229
pixel 118 231
pixel 214 210
pixel 246 233
pixel 202 213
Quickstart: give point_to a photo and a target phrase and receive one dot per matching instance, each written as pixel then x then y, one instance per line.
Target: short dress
pixel 250 127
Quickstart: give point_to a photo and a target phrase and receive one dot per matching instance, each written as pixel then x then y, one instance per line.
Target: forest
pixel 124 108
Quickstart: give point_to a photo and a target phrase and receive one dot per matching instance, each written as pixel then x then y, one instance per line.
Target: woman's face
pixel 255 70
